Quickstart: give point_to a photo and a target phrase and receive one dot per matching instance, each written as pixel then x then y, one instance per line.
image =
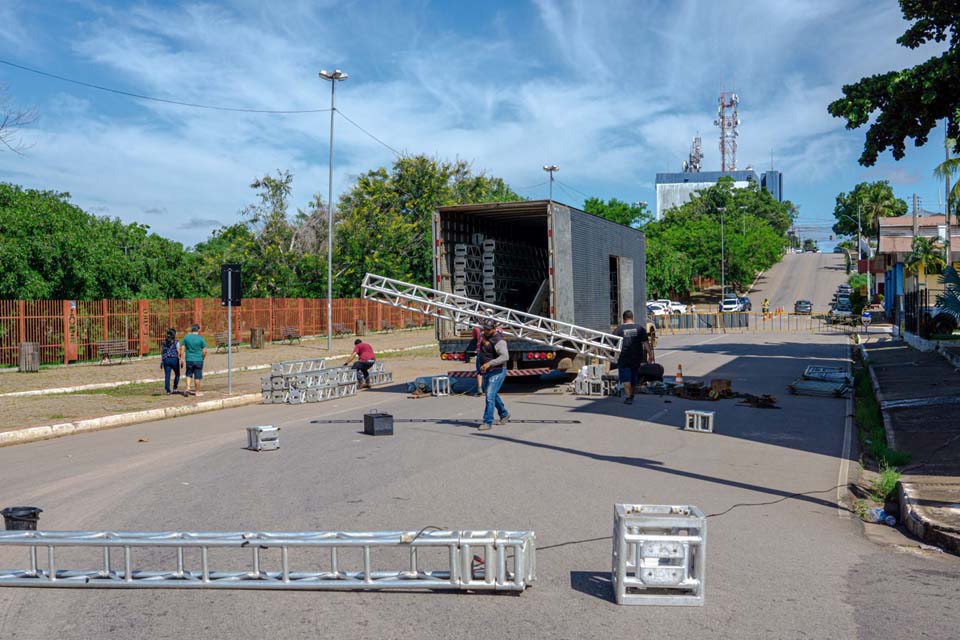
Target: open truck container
pixel 540 257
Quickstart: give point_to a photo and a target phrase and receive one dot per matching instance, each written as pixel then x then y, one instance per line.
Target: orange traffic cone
pixel 678 379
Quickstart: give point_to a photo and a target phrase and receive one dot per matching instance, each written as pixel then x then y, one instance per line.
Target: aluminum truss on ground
pixel 468 560
pixel 462 310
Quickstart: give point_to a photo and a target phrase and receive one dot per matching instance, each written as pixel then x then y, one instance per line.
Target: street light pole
pixel 723 261
pixel 550 168
pixel 333 77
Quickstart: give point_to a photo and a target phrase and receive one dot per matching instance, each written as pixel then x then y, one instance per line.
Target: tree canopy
pixel 909 101
pixel 686 242
pixel 874 200
pixel 632 215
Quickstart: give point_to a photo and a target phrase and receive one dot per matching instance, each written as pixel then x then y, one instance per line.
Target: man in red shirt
pixel 365 357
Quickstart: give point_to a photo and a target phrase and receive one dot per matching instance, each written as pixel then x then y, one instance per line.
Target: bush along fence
pixel 72 330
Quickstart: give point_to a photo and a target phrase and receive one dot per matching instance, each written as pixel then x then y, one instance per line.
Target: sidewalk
pixel 919 395
pixel 40 410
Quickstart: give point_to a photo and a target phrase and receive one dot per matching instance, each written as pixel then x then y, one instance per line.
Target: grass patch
pixel 885 486
pixel 124 391
pixel 869 420
pixel 56 416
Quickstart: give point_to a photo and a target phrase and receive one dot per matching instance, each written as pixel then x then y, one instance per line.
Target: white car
pixel 657 309
pixel 729 305
pixel 674 307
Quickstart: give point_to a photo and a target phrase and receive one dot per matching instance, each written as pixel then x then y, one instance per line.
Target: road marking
pixel 843 513
pixel 657 415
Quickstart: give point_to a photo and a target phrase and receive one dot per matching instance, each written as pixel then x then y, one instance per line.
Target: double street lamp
pixel 860 248
pixel 551 168
pixel 333 76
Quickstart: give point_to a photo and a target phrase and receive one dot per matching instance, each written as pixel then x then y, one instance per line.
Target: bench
pixel 340 329
pixel 110 349
pixel 290 334
pixel 221 339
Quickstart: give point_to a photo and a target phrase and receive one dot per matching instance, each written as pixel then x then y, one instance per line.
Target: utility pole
pixel 946 208
pixel 551 168
pixel 333 76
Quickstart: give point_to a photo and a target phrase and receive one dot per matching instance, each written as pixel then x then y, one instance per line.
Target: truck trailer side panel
pixel 609 271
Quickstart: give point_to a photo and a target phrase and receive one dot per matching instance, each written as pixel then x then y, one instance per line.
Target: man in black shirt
pixel 634 351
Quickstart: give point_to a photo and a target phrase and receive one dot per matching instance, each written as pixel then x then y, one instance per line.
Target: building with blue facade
pixel 675 189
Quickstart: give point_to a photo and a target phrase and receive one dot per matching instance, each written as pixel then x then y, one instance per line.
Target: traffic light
pixel 831 236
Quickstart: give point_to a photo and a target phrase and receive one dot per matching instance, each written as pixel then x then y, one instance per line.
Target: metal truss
pixel 466 560
pixel 459 309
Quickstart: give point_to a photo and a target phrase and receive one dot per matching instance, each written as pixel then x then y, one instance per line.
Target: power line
pixel 532 186
pixel 153 98
pixel 345 117
pixel 572 187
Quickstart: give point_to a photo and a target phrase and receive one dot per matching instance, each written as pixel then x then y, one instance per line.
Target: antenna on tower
pixel 728 119
pixel 692 163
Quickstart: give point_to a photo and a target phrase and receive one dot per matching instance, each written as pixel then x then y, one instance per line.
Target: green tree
pixel 630 215
pixel 875 200
pixel 52 249
pixel 947 170
pixel 910 101
pixel 668 270
pixel 386 218
pixel 809 245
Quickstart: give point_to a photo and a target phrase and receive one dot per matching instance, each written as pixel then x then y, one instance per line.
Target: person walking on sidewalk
pixel 363 352
pixel 193 351
pixel 493 355
pixel 633 353
pixel 170 360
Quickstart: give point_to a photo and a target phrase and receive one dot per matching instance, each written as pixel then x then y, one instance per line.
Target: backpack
pixel 172 351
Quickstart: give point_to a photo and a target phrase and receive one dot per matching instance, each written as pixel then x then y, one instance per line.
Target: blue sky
pixel 612 92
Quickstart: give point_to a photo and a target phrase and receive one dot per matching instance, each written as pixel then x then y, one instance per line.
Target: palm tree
pixel 949 301
pixel 877 202
pixel 950 168
pixel 925 256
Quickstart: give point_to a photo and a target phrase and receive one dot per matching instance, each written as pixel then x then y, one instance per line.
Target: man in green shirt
pixel 193 350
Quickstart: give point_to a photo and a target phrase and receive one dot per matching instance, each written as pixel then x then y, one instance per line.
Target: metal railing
pixel 475 560
pixel 463 310
pixel 752 321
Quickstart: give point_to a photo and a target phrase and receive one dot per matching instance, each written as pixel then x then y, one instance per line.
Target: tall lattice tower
pixel 692 163
pixel 728 119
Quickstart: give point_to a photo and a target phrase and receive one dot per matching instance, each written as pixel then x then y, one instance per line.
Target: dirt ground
pixel 30 411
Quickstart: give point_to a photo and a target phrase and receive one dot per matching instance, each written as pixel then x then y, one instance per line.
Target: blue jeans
pixel 491 384
pixel 171 365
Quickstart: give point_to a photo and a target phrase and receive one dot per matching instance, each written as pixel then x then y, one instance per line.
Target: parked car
pixel 844 287
pixel 729 305
pixel 841 311
pixel 674 307
pixel 657 309
pixel 838 250
pixel 745 304
pixel 803 306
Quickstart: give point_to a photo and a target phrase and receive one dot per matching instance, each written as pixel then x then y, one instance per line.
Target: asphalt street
pixel 801 276
pixel 795 567
pixel 779 565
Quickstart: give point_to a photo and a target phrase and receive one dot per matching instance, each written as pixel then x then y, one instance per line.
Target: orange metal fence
pixel 69 330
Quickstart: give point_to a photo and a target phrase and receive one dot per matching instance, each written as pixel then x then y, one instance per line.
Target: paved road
pixel 810 276
pixel 797 567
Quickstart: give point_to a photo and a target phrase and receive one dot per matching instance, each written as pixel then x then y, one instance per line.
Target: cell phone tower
pixel 728 119
pixel 692 163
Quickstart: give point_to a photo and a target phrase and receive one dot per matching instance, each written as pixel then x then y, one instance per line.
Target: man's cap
pixel 489 325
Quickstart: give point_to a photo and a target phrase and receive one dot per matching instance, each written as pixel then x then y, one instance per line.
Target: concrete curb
pixel 887 425
pixel 33 434
pixel 925 528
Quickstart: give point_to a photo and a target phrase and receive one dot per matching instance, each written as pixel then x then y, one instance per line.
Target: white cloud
pixel 612 92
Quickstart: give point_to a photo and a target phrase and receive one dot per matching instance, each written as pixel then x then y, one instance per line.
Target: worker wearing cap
pixel 492 354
